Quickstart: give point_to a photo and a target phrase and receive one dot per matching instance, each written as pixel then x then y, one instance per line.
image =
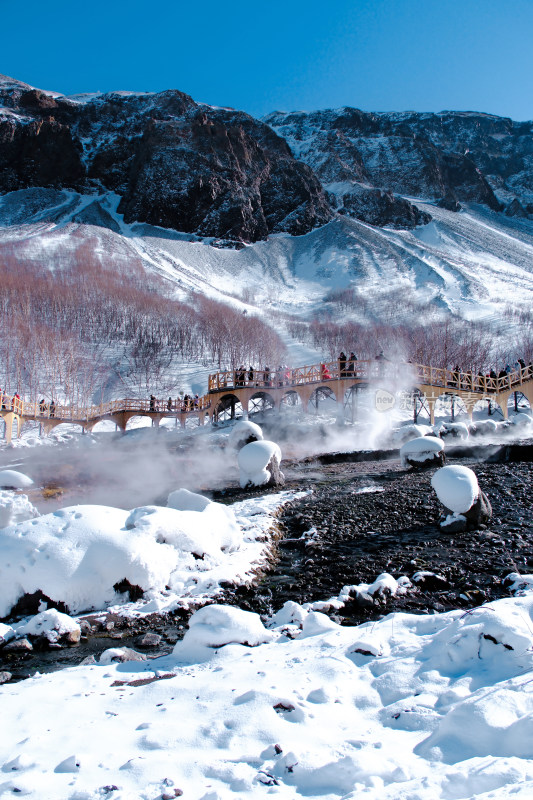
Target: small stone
pixel 5 677
pixel 18 646
pixel 149 640
pixel 88 660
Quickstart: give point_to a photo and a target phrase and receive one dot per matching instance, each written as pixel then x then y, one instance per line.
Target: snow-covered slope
pixel 474 262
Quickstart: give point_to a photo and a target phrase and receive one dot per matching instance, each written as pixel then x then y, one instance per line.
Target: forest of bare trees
pixel 90 328
pixel 414 333
pixel 77 332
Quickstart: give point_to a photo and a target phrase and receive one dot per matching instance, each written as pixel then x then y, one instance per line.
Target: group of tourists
pixel 9 402
pixel 188 402
pixel 347 365
pixel 282 376
pixel 488 380
pixel 47 409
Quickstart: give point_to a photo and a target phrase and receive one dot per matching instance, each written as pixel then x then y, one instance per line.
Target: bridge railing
pixel 368 370
pixel 79 413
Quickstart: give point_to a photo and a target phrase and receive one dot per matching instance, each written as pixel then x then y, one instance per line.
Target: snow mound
pixel 15 508
pixel 456 487
pixel 407 432
pixel 244 431
pixel 425 448
pixel 214 626
pixel 184 500
pixel 202 533
pixel 253 460
pixel 11 479
pixel 290 613
pixel 521 419
pixel 76 555
pixel 316 623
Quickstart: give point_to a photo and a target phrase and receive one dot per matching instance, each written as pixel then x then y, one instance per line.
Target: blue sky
pixel 282 54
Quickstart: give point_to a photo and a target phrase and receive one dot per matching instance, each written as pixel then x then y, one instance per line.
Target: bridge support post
pixel 8 419
pixel 431 406
pixel 503 400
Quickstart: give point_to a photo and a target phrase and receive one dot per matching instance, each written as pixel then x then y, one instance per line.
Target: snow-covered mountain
pixel 163 180
pixel 448 157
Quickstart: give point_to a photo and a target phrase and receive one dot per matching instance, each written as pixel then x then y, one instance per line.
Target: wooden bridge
pixel 287 387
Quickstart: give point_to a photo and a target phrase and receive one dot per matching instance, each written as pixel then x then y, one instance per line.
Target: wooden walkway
pixel 302 386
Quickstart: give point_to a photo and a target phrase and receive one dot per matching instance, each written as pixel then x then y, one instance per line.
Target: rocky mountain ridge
pixel 221 174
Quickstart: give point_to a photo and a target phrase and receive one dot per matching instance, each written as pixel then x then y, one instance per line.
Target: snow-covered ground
pixel 411 707
pixel 79 556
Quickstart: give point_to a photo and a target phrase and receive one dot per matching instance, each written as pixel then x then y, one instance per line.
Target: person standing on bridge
pixel 251 375
pixel 324 373
pixel 350 367
pixel 342 364
pixel 266 376
pixel 381 362
pixel 52 409
pixel 169 404
pixel 152 402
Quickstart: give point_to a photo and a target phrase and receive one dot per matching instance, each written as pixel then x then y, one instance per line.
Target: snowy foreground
pixel 417 707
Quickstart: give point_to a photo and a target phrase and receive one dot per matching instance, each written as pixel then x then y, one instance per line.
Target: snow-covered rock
pixel 76 555
pixel 522 419
pixel 418 451
pixel 456 487
pixel 6 633
pixel 243 433
pixel 15 508
pixel 483 427
pixel 11 479
pixel 290 613
pixel 214 626
pixel 51 624
pixel 457 430
pixel 408 432
pixel 254 458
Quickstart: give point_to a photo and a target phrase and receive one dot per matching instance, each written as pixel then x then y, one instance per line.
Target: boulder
pixel 259 465
pixel 480 513
pixel 423 452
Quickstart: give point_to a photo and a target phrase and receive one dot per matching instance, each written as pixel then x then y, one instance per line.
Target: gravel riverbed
pixel 366 517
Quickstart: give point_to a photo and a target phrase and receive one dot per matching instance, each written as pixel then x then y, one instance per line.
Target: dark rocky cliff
pixel 220 173
pixel 450 157
pixel 213 172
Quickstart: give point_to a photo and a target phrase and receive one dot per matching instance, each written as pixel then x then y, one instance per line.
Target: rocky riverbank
pixel 361 518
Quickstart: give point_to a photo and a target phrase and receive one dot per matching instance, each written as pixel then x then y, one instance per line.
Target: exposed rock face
pixel 451 157
pixel 219 173
pixel 381 208
pixel 213 172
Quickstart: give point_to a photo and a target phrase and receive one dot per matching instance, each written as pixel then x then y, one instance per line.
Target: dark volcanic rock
pixel 213 172
pixel 450 157
pixel 39 152
pixel 381 208
pixel 481 511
